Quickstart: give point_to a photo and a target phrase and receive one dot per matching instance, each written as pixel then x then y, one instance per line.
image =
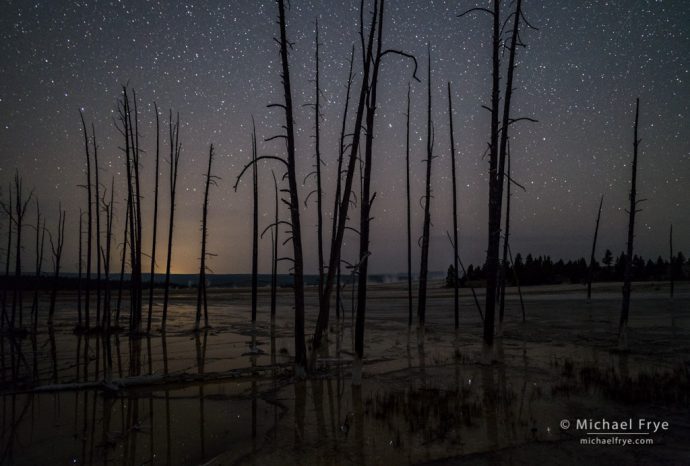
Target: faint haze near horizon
pixel 217 65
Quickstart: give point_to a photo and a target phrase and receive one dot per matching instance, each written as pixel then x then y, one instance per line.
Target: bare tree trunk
pixel 174 162
pixel 123 262
pixel 424 262
pixel 672 259
pixel 317 146
pixel 80 267
pixel 334 257
pixel 8 257
pixel 56 248
pixel 201 286
pixel 97 203
pixel 338 186
pixel 89 231
pixel 40 243
pixel 456 285
pixel 409 217
pixel 152 280
pixel 631 234
pixel 590 272
pixel 20 206
pixel 255 224
pixel 298 266
pixel 506 245
pixel 274 239
pixel 108 207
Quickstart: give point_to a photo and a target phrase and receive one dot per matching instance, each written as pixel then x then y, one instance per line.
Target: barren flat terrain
pixel 227 395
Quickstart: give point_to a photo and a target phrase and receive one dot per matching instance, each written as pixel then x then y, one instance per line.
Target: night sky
pixel 217 64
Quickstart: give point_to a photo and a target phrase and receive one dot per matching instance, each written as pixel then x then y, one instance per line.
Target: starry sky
pixel 217 64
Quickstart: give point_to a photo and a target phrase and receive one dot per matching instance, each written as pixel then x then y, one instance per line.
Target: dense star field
pixel 217 64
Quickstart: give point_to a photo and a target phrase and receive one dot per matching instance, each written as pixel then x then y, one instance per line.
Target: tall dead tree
pixel 8 255
pixel 175 148
pixel 632 210
pixel 409 216
pixel 456 285
pixel 56 248
pixel 152 273
pixel 20 206
pixel 369 58
pixel 672 260
pixel 590 272
pixel 338 187
pixel 498 147
pixel 106 253
pixel 255 225
pixel 201 286
pixel 39 248
pixel 80 266
pixel 97 203
pixel 293 203
pixel 89 227
pixel 274 249
pixel 123 263
pixel 424 261
pixel 316 105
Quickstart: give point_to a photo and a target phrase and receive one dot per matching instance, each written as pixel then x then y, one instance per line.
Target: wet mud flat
pixel 226 395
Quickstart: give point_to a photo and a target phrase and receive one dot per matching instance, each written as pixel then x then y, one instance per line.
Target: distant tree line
pixel 542 270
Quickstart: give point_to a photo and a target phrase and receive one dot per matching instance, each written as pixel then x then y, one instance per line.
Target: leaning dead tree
pixel 201 286
pixel 424 261
pixel 8 255
pixel 96 203
pixel 175 148
pixel 500 124
pixel 56 248
pixel 590 271
pixel 369 57
pixel 342 147
pixel 632 211
pixel 106 253
pixel 152 273
pixel 274 248
pixel 456 284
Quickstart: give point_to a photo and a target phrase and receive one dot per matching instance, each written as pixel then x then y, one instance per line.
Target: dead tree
pixel 424 261
pixel 56 248
pixel 456 285
pixel 255 225
pixel 316 106
pixel 20 206
pixel 106 253
pixel 590 272
pixel 96 203
pixel 80 266
pixel 152 276
pixel 409 216
pixel 8 255
pixel 39 247
pixel 497 153
pixel 632 210
pixel 175 148
pixel 293 203
pixel 338 187
pixel 369 58
pixel 274 248
pixel 123 262
pixel 201 286
pixel 671 261
pixel 338 234
pixel 89 228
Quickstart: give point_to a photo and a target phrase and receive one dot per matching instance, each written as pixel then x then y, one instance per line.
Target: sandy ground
pixel 436 398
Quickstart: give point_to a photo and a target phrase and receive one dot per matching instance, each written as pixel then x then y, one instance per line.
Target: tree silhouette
pixel 594 249
pixel 175 149
pixel 201 285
